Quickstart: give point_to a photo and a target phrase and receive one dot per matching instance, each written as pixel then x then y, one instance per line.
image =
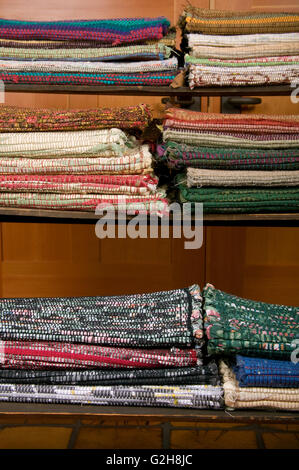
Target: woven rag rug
pixel 225 22
pixel 234 42
pixel 188 396
pixel 245 52
pixel 197 177
pixel 155 204
pixel 112 31
pixel 179 156
pixel 254 124
pixel 57 144
pixel 198 375
pixel 18 119
pixel 240 200
pixel 163 78
pixel 258 372
pixel 256 397
pixel 80 184
pixel 236 325
pixel 135 52
pixel 137 161
pixel 159 319
pixel 239 72
pixel 90 67
pixel 52 355
pixel 168 40
pixel 231 139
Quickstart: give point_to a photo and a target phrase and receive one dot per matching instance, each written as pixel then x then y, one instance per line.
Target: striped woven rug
pixel 113 31
pixel 198 375
pixel 60 78
pixel 80 184
pixel 197 178
pixel 184 396
pixel 256 397
pixel 20 119
pixel 178 156
pixel 230 22
pixel 152 320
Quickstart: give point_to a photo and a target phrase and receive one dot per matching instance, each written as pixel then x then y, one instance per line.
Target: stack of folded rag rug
pixel 256 343
pixel 141 350
pixel 232 48
pixel 128 51
pixel 235 163
pixel 77 159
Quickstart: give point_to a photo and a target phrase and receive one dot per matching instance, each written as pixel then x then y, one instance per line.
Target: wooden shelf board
pixel 148 412
pixel 270 90
pixel 19 214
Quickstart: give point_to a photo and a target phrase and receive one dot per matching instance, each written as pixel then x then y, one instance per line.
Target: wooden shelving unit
pixel 78 217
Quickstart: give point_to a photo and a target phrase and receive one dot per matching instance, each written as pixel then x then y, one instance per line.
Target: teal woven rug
pixel 234 325
pixel 241 200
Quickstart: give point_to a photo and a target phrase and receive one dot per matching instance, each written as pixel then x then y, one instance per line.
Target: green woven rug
pixel 241 200
pixel 234 325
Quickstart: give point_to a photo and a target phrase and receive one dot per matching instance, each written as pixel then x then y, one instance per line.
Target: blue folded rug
pixel 257 372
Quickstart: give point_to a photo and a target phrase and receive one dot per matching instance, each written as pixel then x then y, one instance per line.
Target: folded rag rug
pixel 188 396
pixel 162 78
pixel 242 72
pixel 198 375
pixel 168 40
pixel 80 184
pixel 178 156
pixel 245 52
pixel 133 53
pixel 258 372
pixel 231 139
pixel 236 325
pixel 159 319
pixel 49 66
pixel 136 161
pixel 155 204
pixel 225 22
pixel 255 124
pixel 256 397
pixel 103 142
pixel 52 355
pixel 18 119
pixel 197 177
pixel 240 200
pixel 242 40
pixel 112 31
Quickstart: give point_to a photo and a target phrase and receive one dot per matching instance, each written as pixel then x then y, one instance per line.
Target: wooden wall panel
pixel 261 263
pixel 49 259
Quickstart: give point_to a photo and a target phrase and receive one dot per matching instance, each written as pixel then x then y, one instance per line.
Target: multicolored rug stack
pixel 77 159
pixel 256 343
pixel 141 350
pixel 234 163
pixel 128 51
pixel 233 48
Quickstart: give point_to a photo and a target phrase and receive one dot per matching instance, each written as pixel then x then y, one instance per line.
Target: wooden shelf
pixel 270 90
pixel 61 216
pixel 242 416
